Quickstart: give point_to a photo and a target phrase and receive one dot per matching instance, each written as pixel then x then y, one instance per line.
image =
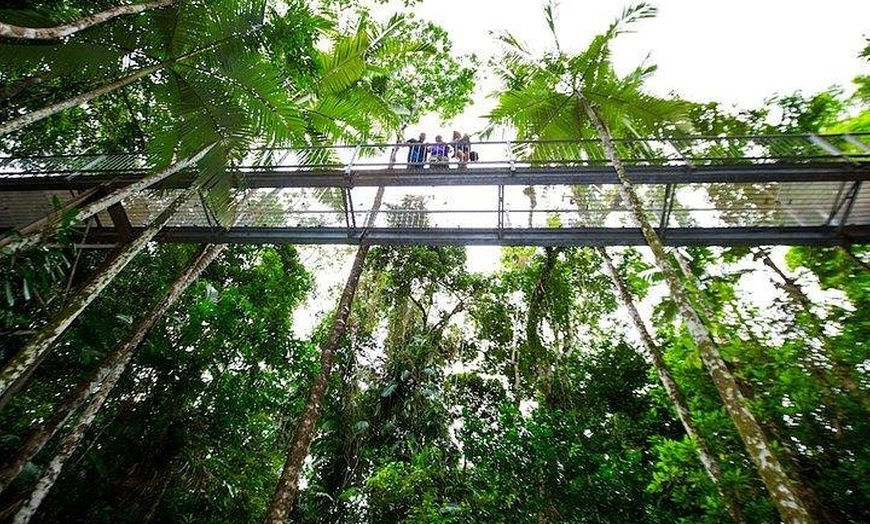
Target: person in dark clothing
pixel 417 152
pixel 461 148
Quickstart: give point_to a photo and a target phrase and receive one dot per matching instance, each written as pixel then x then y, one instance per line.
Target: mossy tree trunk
pixel 780 487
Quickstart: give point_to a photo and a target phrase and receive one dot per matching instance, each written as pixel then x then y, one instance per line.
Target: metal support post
pixel 500 211
pixel 850 202
pixel 348 169
pixel 350 210
pixel 345 207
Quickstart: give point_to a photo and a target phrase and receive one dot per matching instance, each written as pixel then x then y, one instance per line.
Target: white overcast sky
pixel 737 52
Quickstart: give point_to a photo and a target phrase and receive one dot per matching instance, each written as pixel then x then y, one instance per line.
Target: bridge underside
pixel 572 236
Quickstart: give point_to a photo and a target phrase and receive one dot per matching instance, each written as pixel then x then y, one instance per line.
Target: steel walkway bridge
pixel 738 190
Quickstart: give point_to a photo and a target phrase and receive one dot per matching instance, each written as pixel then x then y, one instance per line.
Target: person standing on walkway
pixel 439 153
pixel 417 152
pixel 461 148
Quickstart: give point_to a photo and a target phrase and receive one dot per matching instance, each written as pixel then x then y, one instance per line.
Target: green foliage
pixel 543 96
pixel 192 429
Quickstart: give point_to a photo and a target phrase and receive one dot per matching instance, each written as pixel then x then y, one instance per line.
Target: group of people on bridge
pixel 440 153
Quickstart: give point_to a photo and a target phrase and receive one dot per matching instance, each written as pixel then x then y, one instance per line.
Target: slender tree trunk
pixel 39 114
pixel 780 487
pixel 543 371
pixel 845 376
pixel 21 363
pixel 107 377
pixel 60 31
pixel 297 448
pixel 104 379
pixel 543 366
pixel 708 459
pixel 32 234
pixel 855 258
pixel 788 284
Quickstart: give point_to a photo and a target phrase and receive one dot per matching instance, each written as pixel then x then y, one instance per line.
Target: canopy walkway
pixel 739 190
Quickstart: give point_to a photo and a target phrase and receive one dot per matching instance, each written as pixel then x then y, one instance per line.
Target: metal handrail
pixel 697 149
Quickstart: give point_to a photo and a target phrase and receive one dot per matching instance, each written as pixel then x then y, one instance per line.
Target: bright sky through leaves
pixel 735 52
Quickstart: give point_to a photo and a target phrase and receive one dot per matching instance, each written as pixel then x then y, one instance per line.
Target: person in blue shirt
pixel 417 152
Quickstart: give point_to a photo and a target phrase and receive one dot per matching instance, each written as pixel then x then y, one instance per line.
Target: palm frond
pixel 631 15
pixel 344 65
pixel 550 18
pixel 512 43
pixel 382 35
pixel 85 58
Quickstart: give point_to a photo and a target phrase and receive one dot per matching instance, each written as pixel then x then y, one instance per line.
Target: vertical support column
pixel 850 202
pixel 122 223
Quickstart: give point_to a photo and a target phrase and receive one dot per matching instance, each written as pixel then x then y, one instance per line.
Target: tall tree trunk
pixel 21 363
pixel 802 302
pixel 60 31
pixel 39 114
pixel 855 258
pixel 543 366
pixel 543 370
pixel 105 377
pixel 297 448
pixel 780 487
pixel 34 233
pixel 708 459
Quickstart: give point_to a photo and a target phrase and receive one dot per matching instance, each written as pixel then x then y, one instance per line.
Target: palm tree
pixel 214 100
pixel 61 31
pixel 563 96
pixel 222 25
pixel 347 106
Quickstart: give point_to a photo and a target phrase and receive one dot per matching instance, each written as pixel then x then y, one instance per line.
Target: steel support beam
pixel 121 222
pixel 486 176
pixel 727 236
